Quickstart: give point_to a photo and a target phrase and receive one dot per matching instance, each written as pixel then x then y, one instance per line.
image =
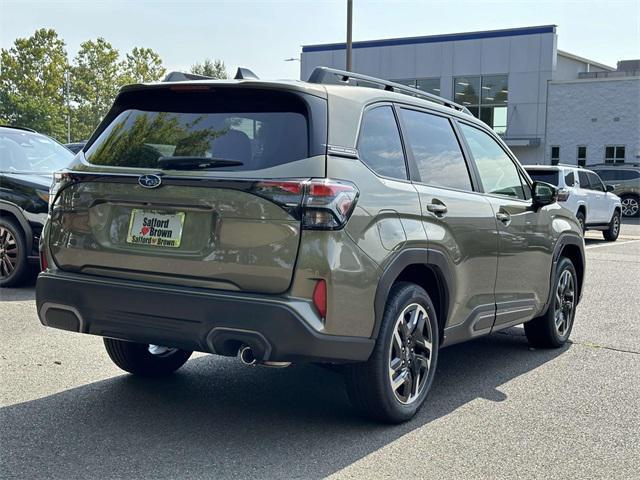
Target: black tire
pixel 369 383
pixel 137 359
pixel 611 233
pixel 13 254
pixel 581 220
pixel 543 332
pixel 630 205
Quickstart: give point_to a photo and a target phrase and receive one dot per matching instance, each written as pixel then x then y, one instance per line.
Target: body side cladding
pixel 425 257
pixel 564 240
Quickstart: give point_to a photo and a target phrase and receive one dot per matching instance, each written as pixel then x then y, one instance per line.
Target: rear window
pixel 260 129
pixel 549 176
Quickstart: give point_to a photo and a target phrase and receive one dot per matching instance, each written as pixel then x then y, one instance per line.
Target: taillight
pixel 320 298
pixel 321 204
pixel 563 194
pixel 328 204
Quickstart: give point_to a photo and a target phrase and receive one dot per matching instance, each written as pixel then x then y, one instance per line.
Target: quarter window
pixel 436 150
pixel 380 146
pixel 569 179
pixel 498 173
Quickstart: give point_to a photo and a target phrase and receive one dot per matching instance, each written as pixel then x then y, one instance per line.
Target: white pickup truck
pixel 581 191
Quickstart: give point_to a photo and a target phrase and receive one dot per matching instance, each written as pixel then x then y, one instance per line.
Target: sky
pixel 260 35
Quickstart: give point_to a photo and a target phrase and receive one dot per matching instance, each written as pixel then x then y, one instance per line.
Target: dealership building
pixel 548 105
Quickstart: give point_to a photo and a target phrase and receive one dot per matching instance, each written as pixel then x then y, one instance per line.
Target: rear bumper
pixel 277 328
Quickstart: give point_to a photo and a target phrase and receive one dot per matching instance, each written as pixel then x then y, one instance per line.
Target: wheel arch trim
pixel 24 224
pixel 435 260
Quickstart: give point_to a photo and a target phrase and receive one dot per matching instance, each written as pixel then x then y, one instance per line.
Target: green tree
pixel 96 78
pixel 142 65
pixel 32 81
pixel 209 68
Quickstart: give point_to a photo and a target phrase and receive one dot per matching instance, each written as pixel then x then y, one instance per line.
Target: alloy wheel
pixel 410 354
pixel 8 252
pixel 630 207
pixel 616 224
pixel 565 303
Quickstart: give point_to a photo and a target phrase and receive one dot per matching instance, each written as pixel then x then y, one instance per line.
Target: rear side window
pixel 379 146
pixel 549 176
pixel 257 128
pixel 498 173
pixel 436 150
pixel 584 180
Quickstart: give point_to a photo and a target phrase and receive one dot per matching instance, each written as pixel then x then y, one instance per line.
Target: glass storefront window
pixel 467 90
pixel 429 85
pixel 486 98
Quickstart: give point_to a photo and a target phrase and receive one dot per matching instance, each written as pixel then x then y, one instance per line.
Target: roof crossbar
pixel 332 76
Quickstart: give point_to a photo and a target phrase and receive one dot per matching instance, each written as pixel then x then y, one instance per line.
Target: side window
pixel 379 145
pixel 584 180
pixel 569 179
pixel 436 150
pixel 595 182
pixel 497 171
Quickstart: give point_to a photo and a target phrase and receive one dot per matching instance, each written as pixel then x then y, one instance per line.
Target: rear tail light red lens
pixel 321 204
pixel 320 298
pixel 328 204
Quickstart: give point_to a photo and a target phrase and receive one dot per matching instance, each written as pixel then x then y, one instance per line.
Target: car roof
pixel 358 94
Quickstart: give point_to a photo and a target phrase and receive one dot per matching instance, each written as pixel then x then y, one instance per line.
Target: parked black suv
pixel 304 222
pixel 27 161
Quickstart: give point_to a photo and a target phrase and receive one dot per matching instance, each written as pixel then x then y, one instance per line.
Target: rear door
pixel 459 221
pixel 525 236
pixel 197 187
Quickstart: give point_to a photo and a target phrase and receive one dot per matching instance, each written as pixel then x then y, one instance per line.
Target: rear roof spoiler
pixel 241 74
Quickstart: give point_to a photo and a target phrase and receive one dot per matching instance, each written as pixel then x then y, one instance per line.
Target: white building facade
pixel 505 77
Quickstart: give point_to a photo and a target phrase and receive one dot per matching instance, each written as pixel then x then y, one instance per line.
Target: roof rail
pixel 332 76
pixel 17 127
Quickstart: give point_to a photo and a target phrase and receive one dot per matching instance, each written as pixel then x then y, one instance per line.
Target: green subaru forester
pixel 345 220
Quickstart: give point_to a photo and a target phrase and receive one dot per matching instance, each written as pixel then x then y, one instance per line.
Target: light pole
pixel 349 31
pixel 68 108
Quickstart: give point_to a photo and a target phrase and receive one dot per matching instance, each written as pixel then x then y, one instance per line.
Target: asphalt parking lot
pixel 498 409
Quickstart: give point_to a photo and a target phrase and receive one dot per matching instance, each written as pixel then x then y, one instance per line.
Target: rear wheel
pixel 611 233
pixel 630 206
pixel 552 330
pixel 13 254
pixel 145 360
pixel 393 384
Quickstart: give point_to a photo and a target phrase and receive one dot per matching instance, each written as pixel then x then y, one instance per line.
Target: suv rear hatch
pixel 197 184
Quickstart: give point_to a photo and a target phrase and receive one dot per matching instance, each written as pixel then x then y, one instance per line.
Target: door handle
pixel 438 208
pixel 503 217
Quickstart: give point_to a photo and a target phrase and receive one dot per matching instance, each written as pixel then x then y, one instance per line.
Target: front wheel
pixel 145 360
pixel 552 329
pixel 630 206
pixel 393 384
pixel 611 233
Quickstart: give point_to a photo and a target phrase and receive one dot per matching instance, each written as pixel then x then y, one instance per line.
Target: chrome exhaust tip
pixel 246 355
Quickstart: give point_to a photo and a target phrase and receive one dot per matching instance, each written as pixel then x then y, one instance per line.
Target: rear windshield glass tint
pixel 259 129
pixel 549 176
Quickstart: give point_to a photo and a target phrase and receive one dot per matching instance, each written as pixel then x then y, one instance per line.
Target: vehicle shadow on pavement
pixel 219 419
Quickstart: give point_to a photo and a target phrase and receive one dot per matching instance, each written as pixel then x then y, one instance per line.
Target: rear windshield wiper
pixel 194 163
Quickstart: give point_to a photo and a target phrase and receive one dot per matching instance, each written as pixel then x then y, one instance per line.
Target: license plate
pixel 155 228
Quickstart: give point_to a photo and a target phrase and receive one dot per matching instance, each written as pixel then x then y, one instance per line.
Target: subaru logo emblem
pixel 149 181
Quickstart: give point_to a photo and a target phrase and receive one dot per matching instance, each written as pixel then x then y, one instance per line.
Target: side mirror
pixel 543 193
pixel 609 188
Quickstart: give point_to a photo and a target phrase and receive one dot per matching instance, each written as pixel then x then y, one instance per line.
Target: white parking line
pixel 610 244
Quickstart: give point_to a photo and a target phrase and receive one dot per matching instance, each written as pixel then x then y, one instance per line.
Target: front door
pixel 525 239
